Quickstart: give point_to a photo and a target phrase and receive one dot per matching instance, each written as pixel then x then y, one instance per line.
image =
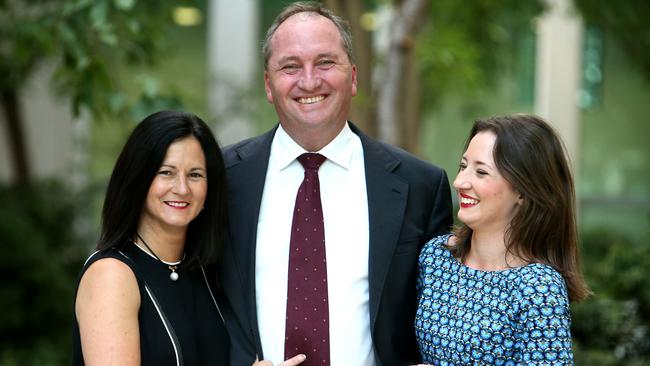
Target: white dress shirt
pixel 345 211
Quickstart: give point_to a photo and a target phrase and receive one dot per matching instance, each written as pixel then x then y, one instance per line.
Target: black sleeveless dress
pixel 180 322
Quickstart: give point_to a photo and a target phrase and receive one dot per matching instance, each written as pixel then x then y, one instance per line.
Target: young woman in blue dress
pixel 496 291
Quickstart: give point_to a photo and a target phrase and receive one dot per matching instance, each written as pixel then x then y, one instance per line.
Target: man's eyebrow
pixel 327 54
pixel 297 59
pixel 287 59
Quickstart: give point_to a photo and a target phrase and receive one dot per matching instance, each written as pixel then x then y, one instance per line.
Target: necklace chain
pixel 174 275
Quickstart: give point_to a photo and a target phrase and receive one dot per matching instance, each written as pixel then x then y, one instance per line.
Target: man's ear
pixel 267 87
pixel 354 79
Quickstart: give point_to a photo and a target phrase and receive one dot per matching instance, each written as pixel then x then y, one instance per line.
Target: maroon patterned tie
pixel 307 327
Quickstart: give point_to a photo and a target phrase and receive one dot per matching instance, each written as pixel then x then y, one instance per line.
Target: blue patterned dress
pixel 511 317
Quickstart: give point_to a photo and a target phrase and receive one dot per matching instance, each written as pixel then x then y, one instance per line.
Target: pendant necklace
pixel 174 275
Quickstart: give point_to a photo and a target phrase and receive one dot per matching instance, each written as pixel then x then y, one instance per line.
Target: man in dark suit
pixel 379 206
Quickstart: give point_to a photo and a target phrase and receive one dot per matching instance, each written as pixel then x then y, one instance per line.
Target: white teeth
pixel 311 100
pixel 177 204
pixel 468 201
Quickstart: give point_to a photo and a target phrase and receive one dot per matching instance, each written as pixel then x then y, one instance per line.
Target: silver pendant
pixel 173 276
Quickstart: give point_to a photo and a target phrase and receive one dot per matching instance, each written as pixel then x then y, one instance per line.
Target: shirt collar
pixel 339 150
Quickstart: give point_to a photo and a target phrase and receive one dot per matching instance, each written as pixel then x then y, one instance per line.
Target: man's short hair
pixel 308 7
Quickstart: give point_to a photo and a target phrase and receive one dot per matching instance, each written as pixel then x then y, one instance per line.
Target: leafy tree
pixel 436 47
pixel 88 39
pixel 466 45
pixel 627 22
pixel 611 328
pixel 42 256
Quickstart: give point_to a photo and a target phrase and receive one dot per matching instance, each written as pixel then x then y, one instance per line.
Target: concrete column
pixel 233 61
pixel 558 72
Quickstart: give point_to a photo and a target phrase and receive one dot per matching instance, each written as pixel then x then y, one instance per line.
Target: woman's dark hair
pixel 531 157
pixel 136 168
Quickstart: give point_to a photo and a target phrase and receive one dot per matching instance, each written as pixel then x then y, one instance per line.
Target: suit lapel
pixel 387 194
pixel 249 173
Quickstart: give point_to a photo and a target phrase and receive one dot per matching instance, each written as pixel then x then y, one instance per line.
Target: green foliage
pixel 612 327
pixel 464 44
pixel 41 258
pixel 627 22
pixel 90 38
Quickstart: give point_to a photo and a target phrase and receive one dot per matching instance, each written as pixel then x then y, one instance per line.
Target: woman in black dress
pixel 143 297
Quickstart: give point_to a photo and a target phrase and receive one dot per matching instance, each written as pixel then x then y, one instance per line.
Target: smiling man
pixel 325 222
pixel 310 79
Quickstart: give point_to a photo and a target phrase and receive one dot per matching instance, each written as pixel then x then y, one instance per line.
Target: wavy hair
pixel 531 157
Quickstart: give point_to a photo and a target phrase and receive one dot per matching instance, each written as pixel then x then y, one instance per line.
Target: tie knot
pixel 311 160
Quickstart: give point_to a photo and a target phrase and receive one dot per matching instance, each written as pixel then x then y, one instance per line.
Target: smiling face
pixel 178 190
pixel 309 79
pixel 487 200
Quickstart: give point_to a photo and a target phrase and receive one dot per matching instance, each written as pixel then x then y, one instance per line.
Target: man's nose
pixel 310 79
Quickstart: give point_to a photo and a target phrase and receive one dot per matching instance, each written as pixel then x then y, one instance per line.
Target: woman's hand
pixel 293 361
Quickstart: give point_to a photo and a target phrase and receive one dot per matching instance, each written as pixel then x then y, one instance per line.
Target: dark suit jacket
pixel 409 202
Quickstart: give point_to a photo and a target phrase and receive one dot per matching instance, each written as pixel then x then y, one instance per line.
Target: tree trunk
pixel 362 111
pixel 410 104
pixel 14 118
pixel 392 100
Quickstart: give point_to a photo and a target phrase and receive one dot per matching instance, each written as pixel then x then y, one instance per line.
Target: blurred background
pixel 77 75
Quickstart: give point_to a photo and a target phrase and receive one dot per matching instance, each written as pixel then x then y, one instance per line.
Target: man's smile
pixel 310 100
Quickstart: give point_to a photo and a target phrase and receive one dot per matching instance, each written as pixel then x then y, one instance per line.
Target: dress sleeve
pixel 423 258
pixel 544 331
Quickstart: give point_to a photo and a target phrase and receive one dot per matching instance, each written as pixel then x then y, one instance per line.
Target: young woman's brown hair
pixel 531 157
